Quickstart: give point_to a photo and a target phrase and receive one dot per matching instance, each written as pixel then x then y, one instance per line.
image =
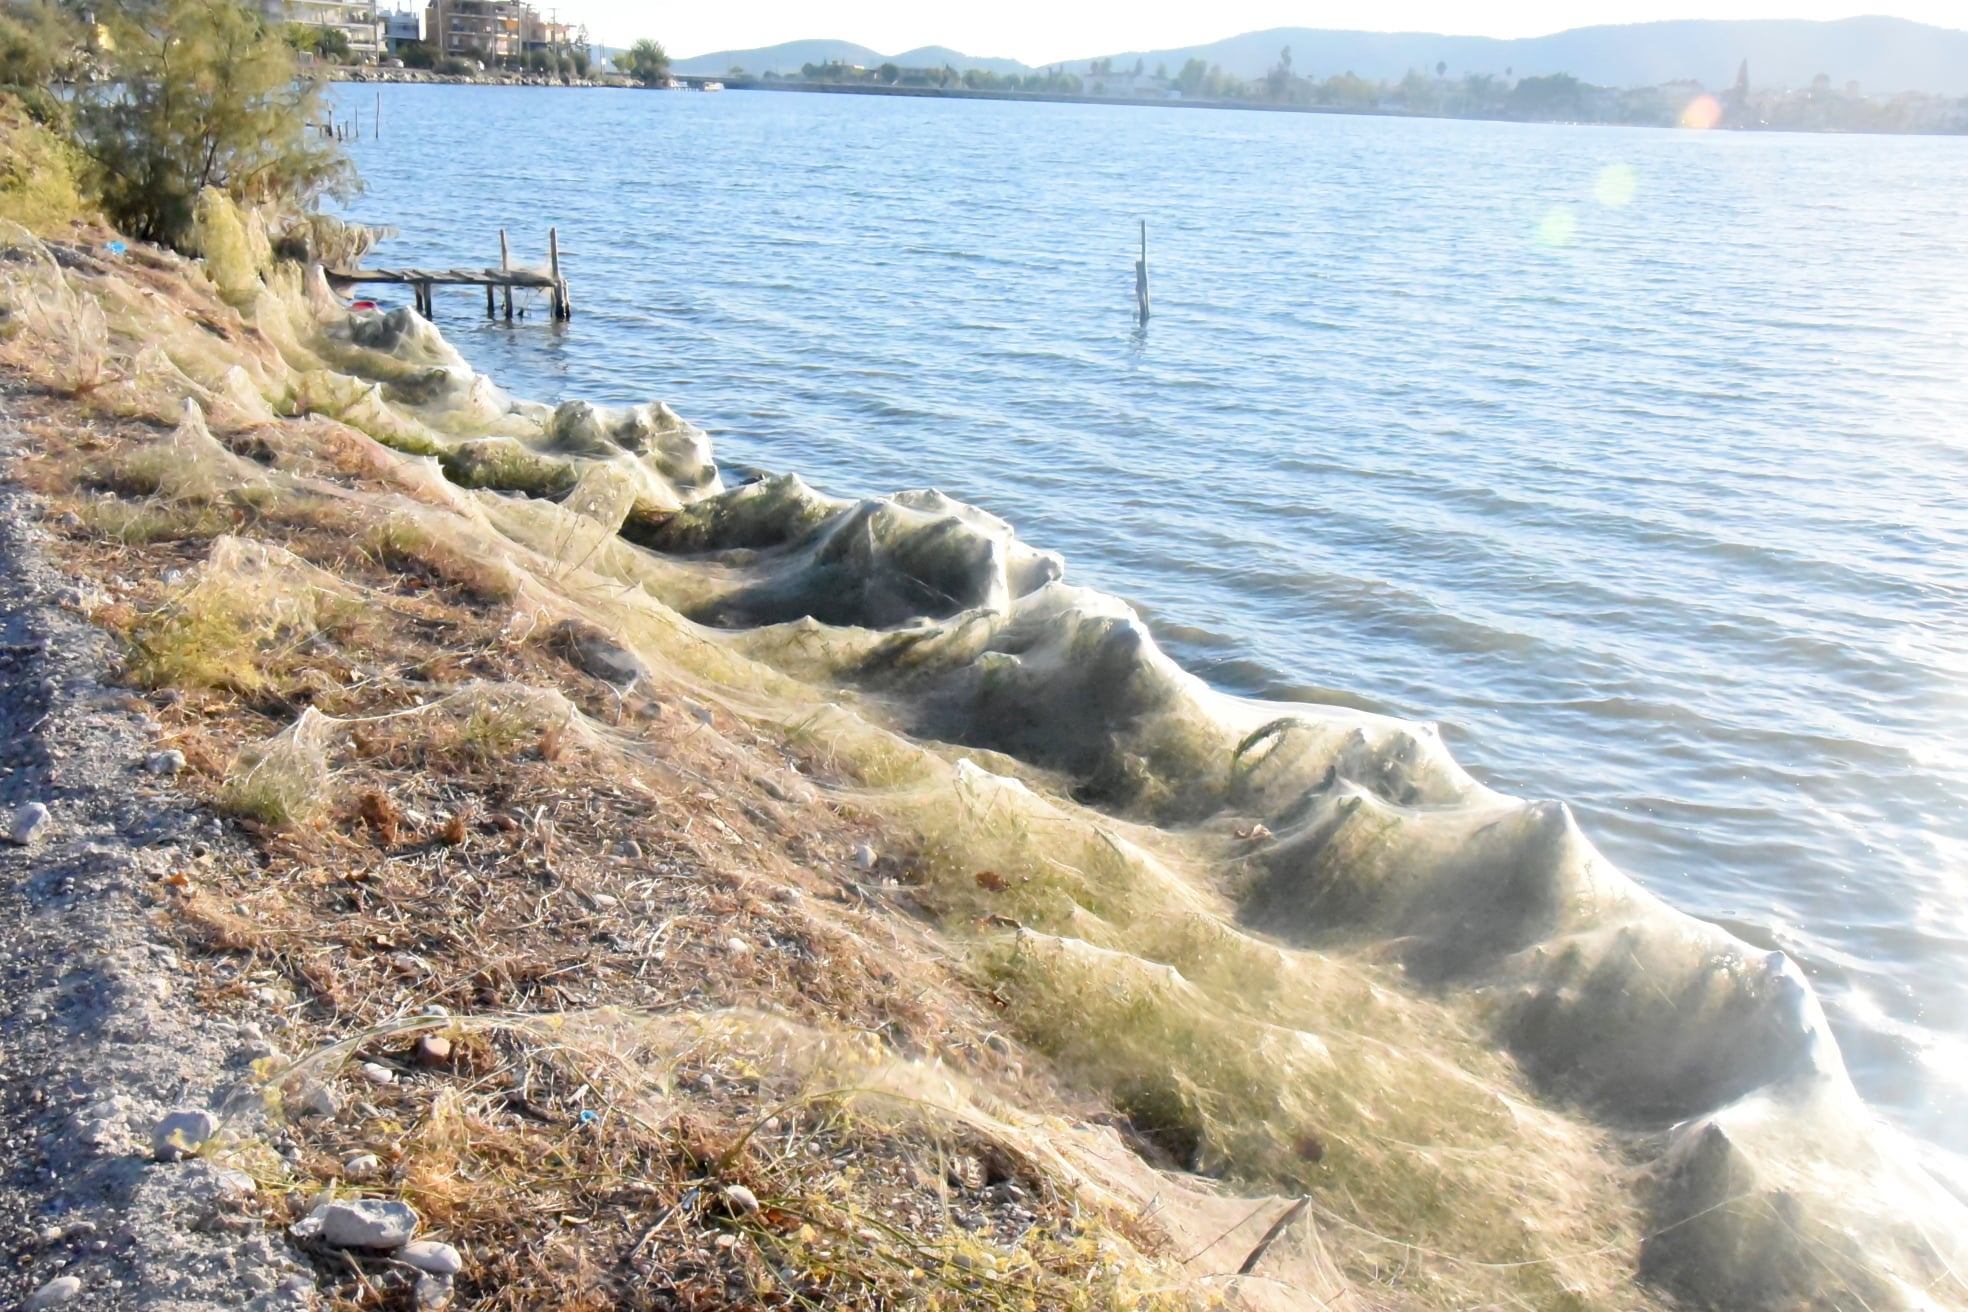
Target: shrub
pixel 201 94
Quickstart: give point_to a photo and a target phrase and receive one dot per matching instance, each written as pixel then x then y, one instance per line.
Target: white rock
pixel 376 1073
pixel 360 1223
pixel 60 1290
pixel 433 1293
pixel 864 857
pixel 182 1133
pixel 737 947
pixel 166 763
pixel 742 1200
pixel 30 822
pixel 362 1166
pixel 317 1100
pixel 431 1257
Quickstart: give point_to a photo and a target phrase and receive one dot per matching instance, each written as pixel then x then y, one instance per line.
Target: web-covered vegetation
pixel 843 853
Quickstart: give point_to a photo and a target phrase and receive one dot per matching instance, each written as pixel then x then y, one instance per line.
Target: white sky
pixel 1042 31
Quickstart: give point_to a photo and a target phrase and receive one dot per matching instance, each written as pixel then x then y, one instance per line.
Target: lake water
pixel 1636 459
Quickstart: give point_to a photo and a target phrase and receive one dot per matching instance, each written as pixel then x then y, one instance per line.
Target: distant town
pixel 509 41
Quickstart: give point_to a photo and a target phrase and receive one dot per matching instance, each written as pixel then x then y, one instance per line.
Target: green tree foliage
pixel 646 61
pixel 40 44
pixel 417 54
pixel 199 93
pixel 330 43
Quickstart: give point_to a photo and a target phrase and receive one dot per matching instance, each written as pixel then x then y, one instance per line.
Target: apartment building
pixel 492 29
pixel 356 20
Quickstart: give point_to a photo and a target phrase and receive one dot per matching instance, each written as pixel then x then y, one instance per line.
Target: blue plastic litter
pixel 116 248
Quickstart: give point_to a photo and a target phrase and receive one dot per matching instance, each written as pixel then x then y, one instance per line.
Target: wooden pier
pixel 424 282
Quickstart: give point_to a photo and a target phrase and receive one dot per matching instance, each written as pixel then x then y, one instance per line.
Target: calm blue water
pixel 1636 459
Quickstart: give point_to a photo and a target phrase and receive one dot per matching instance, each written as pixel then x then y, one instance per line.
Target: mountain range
pixel 1883 55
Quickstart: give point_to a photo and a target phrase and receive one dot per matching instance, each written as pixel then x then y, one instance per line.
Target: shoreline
pixel 395 77
pixel 932 793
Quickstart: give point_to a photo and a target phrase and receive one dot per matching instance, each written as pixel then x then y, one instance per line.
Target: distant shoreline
pixel 394 77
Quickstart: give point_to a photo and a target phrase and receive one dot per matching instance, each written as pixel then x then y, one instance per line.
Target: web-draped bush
pixel 197 94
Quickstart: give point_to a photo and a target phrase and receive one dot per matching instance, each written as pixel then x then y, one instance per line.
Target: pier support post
pixel 505 266
pixel 1141 275
pixel 553 269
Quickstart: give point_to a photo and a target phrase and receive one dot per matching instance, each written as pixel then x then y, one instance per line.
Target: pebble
pixel 362 1166
pixel 182 1133
pixel 433 1050
pixel 360 1223
pixel 318 1100
pixel 431 1257
pixel 30 822
pixel 737 947
pixel 60 1290
pixel 742 1200
pixel 702 714
pixel 433 1293
pixel 376 1073
pixel 165 763
pixel 864 857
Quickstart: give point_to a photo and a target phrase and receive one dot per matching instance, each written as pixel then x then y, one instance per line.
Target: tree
pixel 417 54
pixel 199 93
pixel 646 61
pixel 330 43
pixel 539 61
pixel 889 72
pixel 1441 68
pixel 40 43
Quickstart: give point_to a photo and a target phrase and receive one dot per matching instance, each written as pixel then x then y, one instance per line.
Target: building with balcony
pixel 357 21
pixel 488 30
pixel 402 27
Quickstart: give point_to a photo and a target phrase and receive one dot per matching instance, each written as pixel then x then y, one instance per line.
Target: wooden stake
pixel 1141 274
pixel 505 266
pixel 553 269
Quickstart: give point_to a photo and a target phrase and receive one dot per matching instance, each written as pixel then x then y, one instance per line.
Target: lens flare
pixel 1615 186
pixel 1558 227
pixel 1702 112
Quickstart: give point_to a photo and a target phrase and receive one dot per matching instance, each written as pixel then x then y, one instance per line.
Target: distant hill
pixel 791 56
pixel 1883 55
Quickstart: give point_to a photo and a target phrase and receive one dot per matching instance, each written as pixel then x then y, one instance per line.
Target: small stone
pixel 165 763
pixel 182 1133
pixel 431 1257
pixel 318 1100
pixel 376 1073
pixel 742 1201
pixel 433 1050
pixel 378 1223
pixel 628 849
pixel 59 1291
pixel 433 1293
pixel 702 714
pixel 362 1166
pixel 31 821
pixel 738 947
pixel 864 857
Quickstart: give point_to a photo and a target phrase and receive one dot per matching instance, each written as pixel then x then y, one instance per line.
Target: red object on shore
pixel 362 305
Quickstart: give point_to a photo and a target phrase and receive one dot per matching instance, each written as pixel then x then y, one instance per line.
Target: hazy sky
pixel 1040 31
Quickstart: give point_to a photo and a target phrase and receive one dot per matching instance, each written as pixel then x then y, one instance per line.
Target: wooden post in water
pixel 505 266
pixel 1141 274
pixel 379 114
pixel 553 270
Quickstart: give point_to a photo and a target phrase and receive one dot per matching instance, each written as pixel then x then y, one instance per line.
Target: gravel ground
pixel 99 1033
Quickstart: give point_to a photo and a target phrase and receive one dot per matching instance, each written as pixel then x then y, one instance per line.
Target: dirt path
pixel 99 1033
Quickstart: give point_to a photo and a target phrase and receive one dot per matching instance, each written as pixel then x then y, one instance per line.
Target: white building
pixel 356 20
